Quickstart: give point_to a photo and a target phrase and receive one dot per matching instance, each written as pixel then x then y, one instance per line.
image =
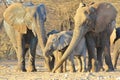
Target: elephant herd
pixel 93 26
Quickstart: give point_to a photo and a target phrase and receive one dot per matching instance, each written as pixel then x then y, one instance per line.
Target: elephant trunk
pixel 41 33
pixel 77 36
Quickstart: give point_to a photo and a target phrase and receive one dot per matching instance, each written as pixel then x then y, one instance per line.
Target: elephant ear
pixel 64 40
pixel 16 16
pixel 105 14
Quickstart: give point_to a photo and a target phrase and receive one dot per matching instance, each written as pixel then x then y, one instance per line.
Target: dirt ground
pixel 56 13
pixel 7 72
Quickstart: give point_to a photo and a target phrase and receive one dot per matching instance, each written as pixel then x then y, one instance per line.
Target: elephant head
pixel 22 17
pixel 89 18
pixel 57 41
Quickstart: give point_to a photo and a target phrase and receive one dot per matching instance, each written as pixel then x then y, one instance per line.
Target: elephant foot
pixel 72 69
pixel 59 70
pixel 115 67
pixel 48 67
pixel 82 70
pixel 64 70
pixel 19 69
pixel 94 66
pixel 109 70
pixel 31 69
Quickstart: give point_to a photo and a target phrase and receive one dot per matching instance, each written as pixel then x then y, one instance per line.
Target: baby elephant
pixel 57 43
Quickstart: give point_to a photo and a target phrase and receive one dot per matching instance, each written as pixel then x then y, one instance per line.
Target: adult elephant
pixel 24 24
pixel 96 22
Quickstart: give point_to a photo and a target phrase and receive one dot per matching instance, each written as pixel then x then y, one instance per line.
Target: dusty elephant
pixel 24 25
pixel 116 50
pixel 57 44
pixel 96 22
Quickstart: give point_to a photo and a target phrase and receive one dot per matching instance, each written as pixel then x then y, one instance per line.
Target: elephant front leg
pixel 79 63
pixel 31 61
pixel 58 56
pixel 99 58
pixel 83 65
pixel 108 57
pixel 92 59
pixel 48 63
pixel 20 54
pixel 72 64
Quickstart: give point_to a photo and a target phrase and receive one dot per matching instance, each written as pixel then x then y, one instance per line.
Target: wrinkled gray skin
pixel 57 44
pixel 116 50
pixel 96 23
pixel 33 25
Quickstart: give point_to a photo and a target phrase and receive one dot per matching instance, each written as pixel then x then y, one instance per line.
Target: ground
pixel 57 12
pixel 7 72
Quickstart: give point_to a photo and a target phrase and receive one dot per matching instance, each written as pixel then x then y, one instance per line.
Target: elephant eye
pixel 85 12
pixel 54 40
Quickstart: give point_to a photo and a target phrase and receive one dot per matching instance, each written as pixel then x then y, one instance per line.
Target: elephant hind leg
pixel 31 61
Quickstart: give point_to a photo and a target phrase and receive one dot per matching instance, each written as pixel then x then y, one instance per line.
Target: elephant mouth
pixel 49 52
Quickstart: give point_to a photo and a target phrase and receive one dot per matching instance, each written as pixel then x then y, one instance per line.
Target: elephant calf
pixel 59 42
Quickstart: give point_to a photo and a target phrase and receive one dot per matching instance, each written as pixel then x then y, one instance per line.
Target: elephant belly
pixel 29 38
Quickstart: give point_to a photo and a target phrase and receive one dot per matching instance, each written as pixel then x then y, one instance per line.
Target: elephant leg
pixel 20 54
pixel 83 65
pixel 58 56
pixel 79 63
pixel 52 62
pixel 92 59
pixel 65 66
pixel 99 58
pixel 108 57
pixel 72 64
pixel 31 61
pixel 48 62
pixel 24 53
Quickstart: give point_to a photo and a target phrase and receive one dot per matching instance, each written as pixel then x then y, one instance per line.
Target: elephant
pixel 96 22
pixel 24 25
pixel 56 45
pixel 116 50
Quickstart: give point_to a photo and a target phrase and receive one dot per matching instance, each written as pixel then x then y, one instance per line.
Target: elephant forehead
pixel 80 15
